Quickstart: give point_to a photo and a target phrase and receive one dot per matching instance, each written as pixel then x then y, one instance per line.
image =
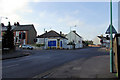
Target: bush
pixel 71 43
pixel 39 45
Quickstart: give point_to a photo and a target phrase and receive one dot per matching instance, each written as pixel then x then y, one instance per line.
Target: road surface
pixel 43 60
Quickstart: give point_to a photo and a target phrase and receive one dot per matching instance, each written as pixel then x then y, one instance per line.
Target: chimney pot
pixel 15 24
pixel 2 24
pixel 18 23
pixel 60 33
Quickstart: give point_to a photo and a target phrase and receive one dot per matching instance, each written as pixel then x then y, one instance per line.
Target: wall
pixel 78 41
pixel 31 36
pixel 41 41
pixel 96 41
pixel 16 35
pixel 64 43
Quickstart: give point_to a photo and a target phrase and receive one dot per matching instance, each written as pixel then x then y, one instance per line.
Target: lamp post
pixel 1 27
pixel 44 40
pixel 70 34
pixel 111 46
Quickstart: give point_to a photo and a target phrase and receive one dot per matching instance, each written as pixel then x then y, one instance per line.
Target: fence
pixel 116 51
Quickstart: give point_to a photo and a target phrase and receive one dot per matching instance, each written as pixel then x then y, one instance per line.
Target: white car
pixel 26 47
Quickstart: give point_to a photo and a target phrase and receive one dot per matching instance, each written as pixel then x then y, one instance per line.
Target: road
pixel 43 60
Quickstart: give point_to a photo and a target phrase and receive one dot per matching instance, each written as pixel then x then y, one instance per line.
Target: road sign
pixel 113 30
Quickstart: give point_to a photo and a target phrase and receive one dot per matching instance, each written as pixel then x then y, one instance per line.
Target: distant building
pixel 96 41
pixel 23 34
pixel 105 41
pixel 73 37
pixel 52 39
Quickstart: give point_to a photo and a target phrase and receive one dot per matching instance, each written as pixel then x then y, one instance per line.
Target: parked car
pixel 26 47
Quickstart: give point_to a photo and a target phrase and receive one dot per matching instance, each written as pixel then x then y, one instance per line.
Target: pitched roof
pixel 49 34
pixel 5 28
pixel 24 27
pixel 76 34
pixel 105 38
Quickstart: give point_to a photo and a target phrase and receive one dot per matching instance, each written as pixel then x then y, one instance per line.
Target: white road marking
pixel 11 65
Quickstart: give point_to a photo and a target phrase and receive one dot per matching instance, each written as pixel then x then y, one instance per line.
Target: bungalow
pixel 73 37
pixel 52 39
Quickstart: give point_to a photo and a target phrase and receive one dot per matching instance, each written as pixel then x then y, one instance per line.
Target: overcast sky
pixel 91 18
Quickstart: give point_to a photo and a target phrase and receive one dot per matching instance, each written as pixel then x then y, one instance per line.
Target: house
pixel 23 34
pixel 52 39
pixel 96 41
pixel 105 41
pixel 73 37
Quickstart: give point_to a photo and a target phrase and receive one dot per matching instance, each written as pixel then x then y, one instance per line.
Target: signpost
pixel 110 31
pixel 111 42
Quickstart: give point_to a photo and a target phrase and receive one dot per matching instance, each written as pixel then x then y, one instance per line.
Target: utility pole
pixel 111 41
pixel 44 40
pixel 70 36
pixel 1 27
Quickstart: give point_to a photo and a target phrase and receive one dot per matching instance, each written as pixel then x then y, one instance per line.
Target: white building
pixel 52 39
pixel 105 41
pixel 96 41
pixel 75 38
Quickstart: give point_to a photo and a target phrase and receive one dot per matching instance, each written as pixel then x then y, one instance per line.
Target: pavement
pixel 14 54
pixel 94 67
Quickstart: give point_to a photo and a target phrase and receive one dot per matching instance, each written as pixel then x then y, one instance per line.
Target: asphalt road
pixel 43 60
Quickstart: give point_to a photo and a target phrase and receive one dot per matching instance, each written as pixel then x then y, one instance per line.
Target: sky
pixel 91 18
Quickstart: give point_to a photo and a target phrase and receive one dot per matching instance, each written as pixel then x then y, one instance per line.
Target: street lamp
pixel 44 40
pixel 70 33
pixel 1 27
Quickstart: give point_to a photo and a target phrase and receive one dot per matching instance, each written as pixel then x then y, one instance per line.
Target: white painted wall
pixel 41 41
pixel 96 41
pixel 64 41
pixel 77 40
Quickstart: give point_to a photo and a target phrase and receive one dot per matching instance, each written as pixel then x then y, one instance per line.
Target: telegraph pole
pixel 44 40
pixel 111 41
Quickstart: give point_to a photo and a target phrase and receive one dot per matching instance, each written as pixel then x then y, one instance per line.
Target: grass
pixel 116 74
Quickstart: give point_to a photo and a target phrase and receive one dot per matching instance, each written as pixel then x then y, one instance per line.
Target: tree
pixel 87 42
pixel 8 38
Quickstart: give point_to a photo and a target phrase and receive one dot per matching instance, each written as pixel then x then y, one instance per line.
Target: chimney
pixel 15 24
pixel 60 33
pixel 45 31
pixel 2 24
pixel 18 23
pixel 74 31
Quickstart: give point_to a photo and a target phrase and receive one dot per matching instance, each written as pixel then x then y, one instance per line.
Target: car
pixel 26 47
